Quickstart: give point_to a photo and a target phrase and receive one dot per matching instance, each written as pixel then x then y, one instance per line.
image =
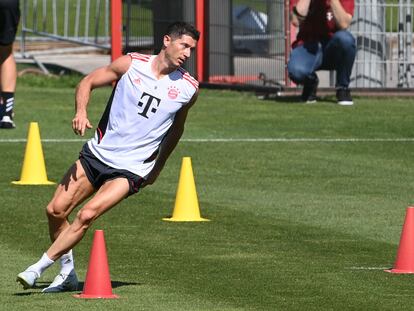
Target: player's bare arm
pixel 100 77
pixel 300 11
pixel 170 141
pixel 343 19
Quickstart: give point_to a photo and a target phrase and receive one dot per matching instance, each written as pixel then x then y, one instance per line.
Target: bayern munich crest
pixel 173 92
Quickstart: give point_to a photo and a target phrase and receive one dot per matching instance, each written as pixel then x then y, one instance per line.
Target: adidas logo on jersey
pixel 137 81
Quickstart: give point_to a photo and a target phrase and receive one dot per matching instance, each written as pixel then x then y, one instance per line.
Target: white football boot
pixel 63 283
pixel 27 278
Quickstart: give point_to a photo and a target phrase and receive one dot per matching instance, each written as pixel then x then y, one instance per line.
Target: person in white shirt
pixel 140 127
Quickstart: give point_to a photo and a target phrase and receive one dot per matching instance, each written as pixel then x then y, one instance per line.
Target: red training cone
pixel 98 281
pixel 405 256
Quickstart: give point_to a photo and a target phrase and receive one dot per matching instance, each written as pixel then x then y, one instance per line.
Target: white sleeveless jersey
pixel 138 115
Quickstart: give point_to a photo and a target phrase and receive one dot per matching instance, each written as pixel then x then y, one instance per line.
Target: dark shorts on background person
pixel 9 21
pixel 98 172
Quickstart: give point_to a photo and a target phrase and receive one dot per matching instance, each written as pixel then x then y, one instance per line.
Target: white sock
pixel 67 263
pixel 40 266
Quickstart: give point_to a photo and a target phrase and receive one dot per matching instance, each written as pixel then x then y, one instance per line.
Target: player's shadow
pixel 115 284
pixel 41 285
pixel 296 99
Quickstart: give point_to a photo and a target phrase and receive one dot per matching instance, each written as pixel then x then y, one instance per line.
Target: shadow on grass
pixel 296 99
pixel 41 285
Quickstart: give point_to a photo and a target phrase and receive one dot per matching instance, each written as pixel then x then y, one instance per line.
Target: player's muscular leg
pixel 111 192
pixel 72 191
pixel 8 71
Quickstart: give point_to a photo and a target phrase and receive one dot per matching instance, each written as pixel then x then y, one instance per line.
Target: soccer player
pixel 9 21
pixel 323 42
pixel 140 127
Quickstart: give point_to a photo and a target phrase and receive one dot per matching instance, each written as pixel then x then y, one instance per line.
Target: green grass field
pixel 306 204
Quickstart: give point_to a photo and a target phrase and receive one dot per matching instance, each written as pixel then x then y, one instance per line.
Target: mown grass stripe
pixel 229 140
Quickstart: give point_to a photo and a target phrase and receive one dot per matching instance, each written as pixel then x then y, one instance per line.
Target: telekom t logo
pixel 149 101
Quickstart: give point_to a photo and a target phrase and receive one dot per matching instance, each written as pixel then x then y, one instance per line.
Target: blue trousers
pixel 337 53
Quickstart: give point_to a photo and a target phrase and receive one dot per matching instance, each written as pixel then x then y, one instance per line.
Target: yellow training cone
pixel 33 170
pixel 186 203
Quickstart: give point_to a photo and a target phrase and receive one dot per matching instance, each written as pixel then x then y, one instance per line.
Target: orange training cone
pixel 33 170
pixel 186 203
pixel 98 281
pixel 405 256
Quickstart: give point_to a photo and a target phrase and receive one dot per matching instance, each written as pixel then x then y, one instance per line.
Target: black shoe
pixel 309 91
pixel 7 121
pixel 343 95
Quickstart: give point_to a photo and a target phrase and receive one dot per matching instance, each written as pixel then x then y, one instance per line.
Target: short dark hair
pixel 177 29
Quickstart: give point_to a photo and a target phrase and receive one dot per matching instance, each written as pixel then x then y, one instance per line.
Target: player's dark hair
pixel 177 29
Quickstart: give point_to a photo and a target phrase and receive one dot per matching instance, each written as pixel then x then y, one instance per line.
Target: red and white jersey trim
pixel 188 77
pixel 141 57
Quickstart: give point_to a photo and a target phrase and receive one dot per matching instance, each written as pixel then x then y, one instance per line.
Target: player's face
pixel 178 50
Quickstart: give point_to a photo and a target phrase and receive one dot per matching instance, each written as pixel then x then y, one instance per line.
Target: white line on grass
pixel 229 140
pixel 369 268
pixel 47 140
pixel 300 140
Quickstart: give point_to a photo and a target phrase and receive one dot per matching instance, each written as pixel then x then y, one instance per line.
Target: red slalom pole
pixel 116 29
pixel 201 57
